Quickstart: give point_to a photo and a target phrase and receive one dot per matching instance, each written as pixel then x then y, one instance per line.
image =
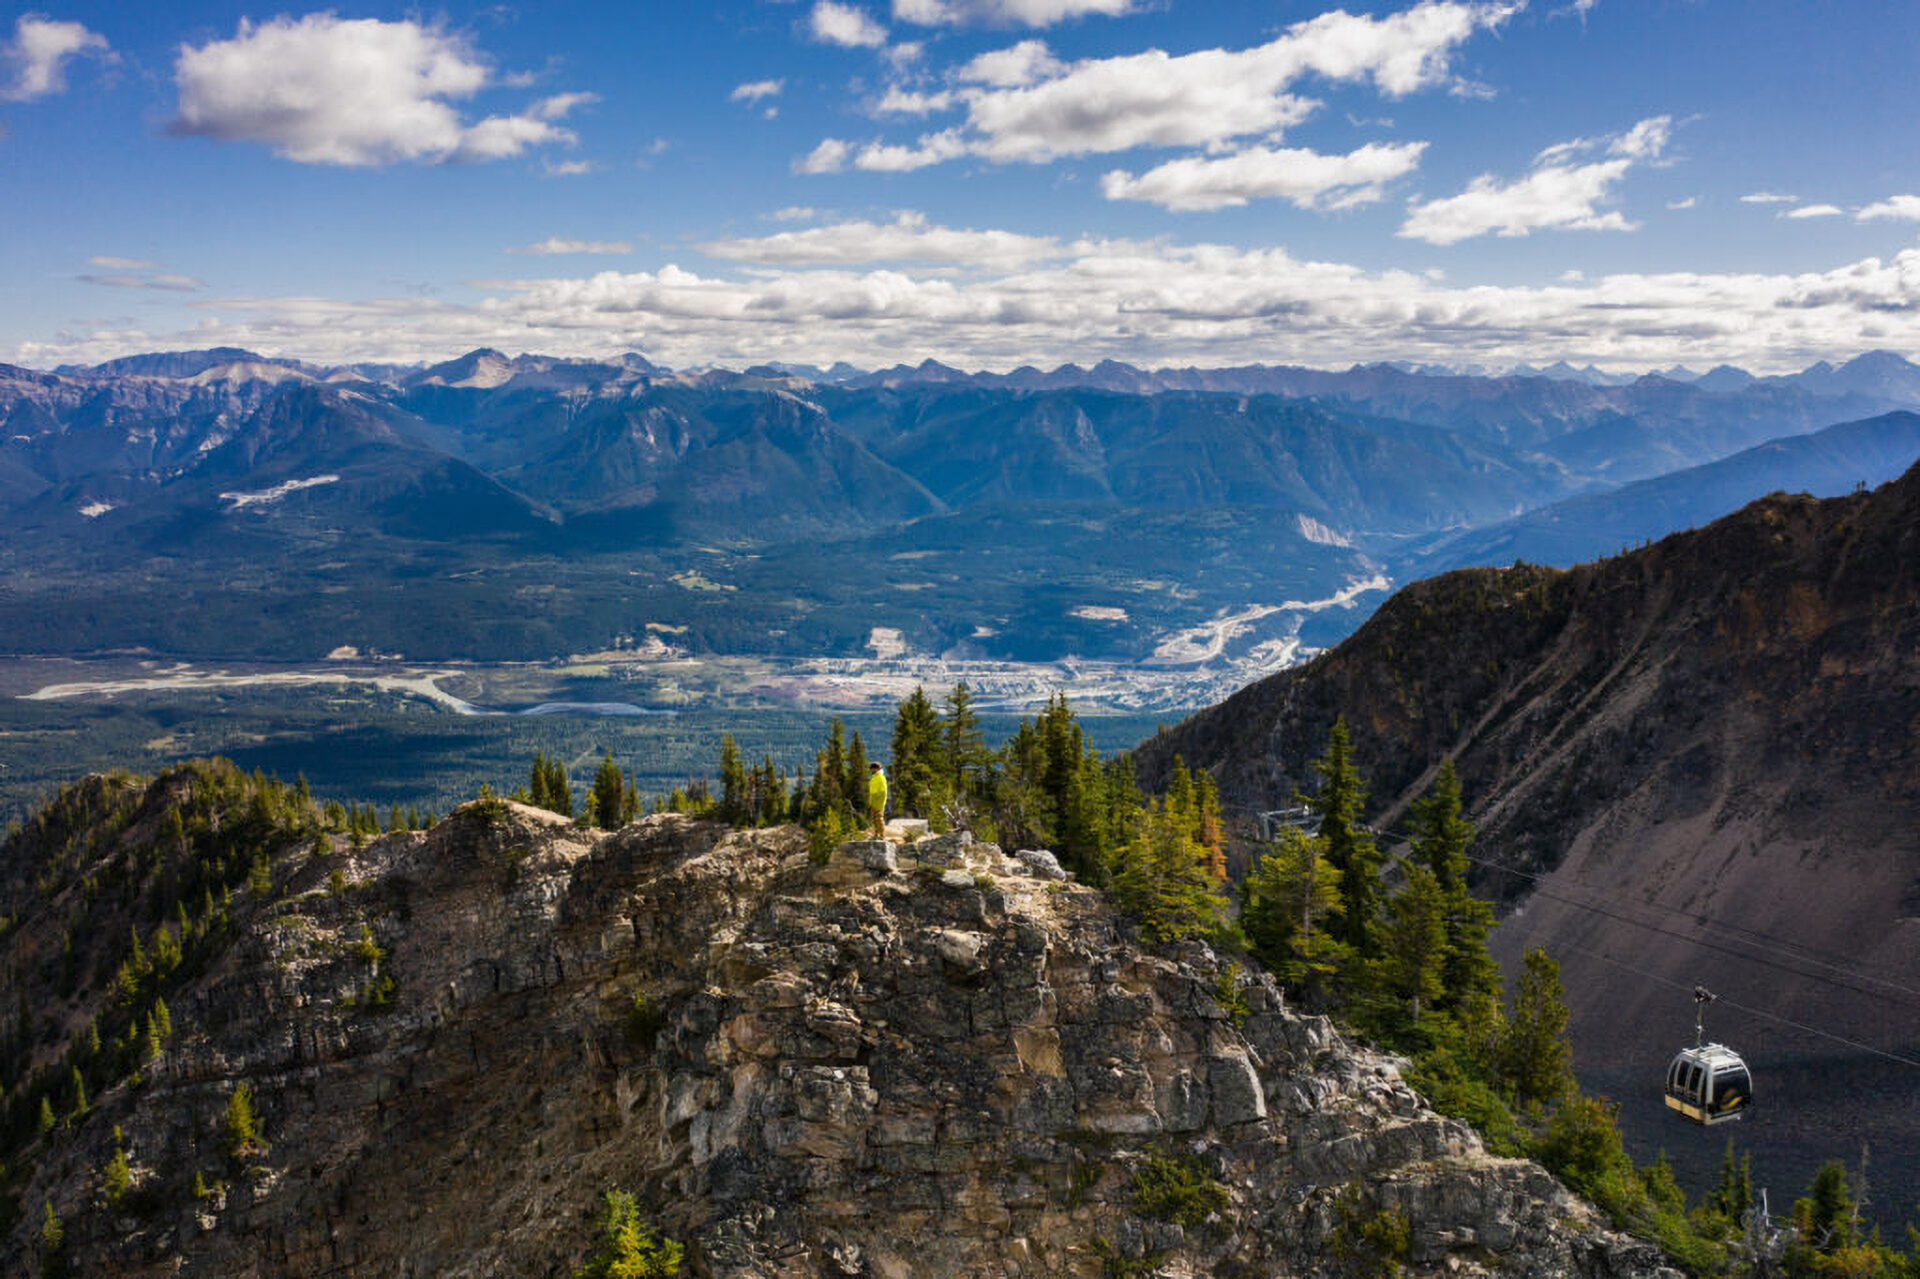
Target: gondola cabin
pixel 1710 1084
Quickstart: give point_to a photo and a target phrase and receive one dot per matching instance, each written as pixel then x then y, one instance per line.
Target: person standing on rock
pixel 877 799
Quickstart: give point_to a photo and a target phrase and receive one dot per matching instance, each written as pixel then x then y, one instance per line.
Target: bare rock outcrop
pixel 921 1059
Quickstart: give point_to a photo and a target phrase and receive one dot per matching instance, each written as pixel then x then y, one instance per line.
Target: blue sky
pixel 1632 183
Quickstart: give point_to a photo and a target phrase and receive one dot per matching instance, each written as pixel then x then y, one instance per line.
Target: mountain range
pixel 536 506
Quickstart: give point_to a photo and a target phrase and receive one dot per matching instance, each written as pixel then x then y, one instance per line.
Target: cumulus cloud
pixel 756 90
pixel 1904 208
pixel 908 238
pixel 1025 63
pixel 1146 302
pixel 1769 197
pixel 1005 13
pixel 1814 211
pixel 844 25
pixel 829 157
pixel 1307 179
pixel 554 244
pixel 1559 194
pixel 899 101
pixel 327 90
pixel 1024 105
pixel 33 63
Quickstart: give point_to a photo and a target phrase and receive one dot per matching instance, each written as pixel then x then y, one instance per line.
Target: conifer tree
pixel 917 777
pixel 537 781
pixel 559 789
pixel 1162 879
pixel 117 1178
pixel 967 756
pixel 1536 1058
pixel 1292 890
pixel 1413 945
pixel 242 1126
pixel 608 794
pixel 1440 841
pixel 1349 847
pixel 854 782
pixel 735 808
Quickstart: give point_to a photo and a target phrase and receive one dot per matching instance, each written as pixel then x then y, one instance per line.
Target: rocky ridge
pixel 924 1058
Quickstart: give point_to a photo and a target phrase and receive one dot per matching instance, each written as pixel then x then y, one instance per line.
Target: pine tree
pixel 967 757
pixel 1292 890
pixel 734 806
pixel 1440 842
pixel 629 1248
pixel 854 782
pixel 1536 1058
pixel 1162 879
pixel 608 794
pixel 117 1178
pixel 1825 1218
pixel 1733 1190
pixel 1350 849
pixel 917 776
pixel 537 782
pixel 1413 944
pixel 242 1126
pixel 559 789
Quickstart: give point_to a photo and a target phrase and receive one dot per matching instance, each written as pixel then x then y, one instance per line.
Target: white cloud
pixel 829 157
pixel 908 238
pixel 1025 63
pixel 1814 211
pixel 1032 108
pixel 557 106
pixel 794 213
pixel 1557 195
pixel 569 168
pixel 33 63
pixel 326 90
pixel 1005 13
pixel 554 244
pixel 899 101
pixel 1644 141
pixel 1686 203
pixel 1902 207
pixel 844 25
pixel 1769 197
pixel 1148 303
pixel 122 264
pixel 756 90
pixel 935 148
pixel 1306 178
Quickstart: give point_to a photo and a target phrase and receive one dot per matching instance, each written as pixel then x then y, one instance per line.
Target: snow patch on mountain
pixel 278 491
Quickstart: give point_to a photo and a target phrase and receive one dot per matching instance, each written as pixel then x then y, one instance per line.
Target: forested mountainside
pixel 251 1039
pixel 1698 762
pixel 536 506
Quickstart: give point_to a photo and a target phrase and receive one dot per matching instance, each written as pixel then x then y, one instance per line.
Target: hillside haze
pixel 1693 763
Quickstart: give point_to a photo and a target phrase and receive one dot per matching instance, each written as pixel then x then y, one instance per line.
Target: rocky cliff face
pixel 911 1060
